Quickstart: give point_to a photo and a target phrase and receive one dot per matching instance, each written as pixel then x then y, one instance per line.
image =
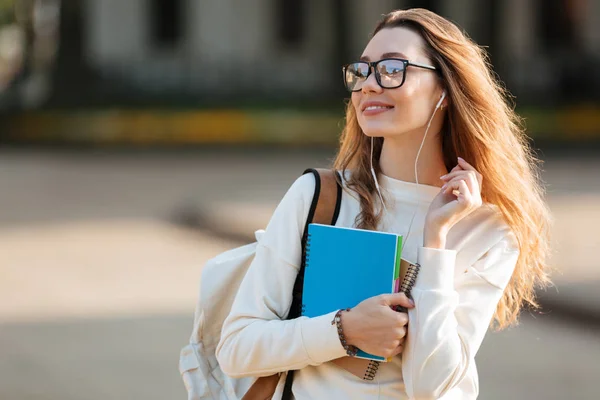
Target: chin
pixel 377 131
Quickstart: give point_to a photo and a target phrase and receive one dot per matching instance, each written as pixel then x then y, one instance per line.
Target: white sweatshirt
pixel 455 295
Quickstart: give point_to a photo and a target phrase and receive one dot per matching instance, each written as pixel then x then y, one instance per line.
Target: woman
pixel 432 151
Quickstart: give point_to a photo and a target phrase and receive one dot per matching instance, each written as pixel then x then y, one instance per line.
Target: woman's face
pixel 407 108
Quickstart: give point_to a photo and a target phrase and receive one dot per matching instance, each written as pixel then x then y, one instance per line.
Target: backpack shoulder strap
pixel 327 199
pixel 324 209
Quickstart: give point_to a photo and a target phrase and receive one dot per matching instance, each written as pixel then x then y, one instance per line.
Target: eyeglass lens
pixel 391 74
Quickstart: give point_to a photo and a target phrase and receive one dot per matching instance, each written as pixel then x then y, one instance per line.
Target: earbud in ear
pixel 442 97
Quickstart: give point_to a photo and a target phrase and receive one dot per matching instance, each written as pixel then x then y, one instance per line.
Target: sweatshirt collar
pixel 410 191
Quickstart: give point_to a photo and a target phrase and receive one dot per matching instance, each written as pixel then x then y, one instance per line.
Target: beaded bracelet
pixel 337 320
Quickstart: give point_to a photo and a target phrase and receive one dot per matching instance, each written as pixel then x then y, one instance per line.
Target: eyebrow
pixel 385 55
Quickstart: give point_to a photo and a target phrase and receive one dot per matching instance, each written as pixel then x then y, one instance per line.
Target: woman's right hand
pixel 374 327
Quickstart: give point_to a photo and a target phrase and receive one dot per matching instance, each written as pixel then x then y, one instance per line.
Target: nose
pixel 371 85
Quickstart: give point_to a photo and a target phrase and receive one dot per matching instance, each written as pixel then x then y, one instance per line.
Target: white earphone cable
pixel 375 178
pixel 416 173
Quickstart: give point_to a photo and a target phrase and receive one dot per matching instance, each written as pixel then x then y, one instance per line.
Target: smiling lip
pixel 375 107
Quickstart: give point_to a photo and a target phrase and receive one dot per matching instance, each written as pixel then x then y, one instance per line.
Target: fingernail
pixel 444 187
pixel 411 302
pixel 460 158
pixel 443 176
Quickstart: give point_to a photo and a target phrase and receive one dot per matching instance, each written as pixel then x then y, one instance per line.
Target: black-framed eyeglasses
pixel 390 73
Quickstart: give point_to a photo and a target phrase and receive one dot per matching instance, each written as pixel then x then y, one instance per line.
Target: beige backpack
pixel 219 282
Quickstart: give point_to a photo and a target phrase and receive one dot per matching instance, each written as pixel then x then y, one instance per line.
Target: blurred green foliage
pixel 7 11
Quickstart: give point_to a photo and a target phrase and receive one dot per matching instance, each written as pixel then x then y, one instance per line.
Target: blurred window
pixel 433 5
pixel 574 70
pixel 291 21
pixel 165 22
pixel 558 19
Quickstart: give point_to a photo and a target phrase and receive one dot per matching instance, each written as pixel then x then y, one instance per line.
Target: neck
pixel 398 156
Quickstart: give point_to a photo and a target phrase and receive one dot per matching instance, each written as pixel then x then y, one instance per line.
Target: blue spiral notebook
pixel 345 266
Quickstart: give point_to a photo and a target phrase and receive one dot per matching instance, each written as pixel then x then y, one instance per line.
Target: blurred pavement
pixel 101 253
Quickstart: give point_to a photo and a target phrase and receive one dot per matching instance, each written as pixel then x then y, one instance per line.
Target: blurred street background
pixel 139 138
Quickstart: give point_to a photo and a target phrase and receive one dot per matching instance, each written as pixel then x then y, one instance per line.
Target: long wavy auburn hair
pixel 482 127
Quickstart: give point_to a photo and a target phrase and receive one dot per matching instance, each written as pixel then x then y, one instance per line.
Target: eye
pixel 391 68
pixel 391 71
pixel 359 69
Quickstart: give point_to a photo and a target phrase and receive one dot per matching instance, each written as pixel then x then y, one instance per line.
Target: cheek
pixel 403 99
pixel 404 95
pixel 411 106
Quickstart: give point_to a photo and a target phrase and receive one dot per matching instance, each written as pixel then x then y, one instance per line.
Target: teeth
pixel 377 108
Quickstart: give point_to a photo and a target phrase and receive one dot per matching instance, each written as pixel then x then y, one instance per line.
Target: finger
pixel 470 180
pixel 464 195
pixel 454 174
pixel 398 350
pixel 454 185
pixel 402 318
pixel 473 199
pixel 468 167
pixel 397 299
pixel 455 169
pixel 462 172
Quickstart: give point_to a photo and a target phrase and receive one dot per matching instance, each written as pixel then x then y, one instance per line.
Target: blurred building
pixel 266 54
pixel 284 48
pixel 235 52
pixel 212 48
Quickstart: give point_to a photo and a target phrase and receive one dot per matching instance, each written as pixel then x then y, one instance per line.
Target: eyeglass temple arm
pixel 414 64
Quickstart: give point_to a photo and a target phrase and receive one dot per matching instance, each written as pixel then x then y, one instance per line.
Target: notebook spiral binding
pixel 307 250
pixel 371 371
pixel 305 259
pixel 405 287
pixel 408 282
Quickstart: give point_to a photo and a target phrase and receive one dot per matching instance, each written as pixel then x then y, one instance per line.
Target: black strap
pixel 296 307
pixel 313 204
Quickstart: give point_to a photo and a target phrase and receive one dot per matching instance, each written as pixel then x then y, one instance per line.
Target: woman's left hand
pixel 460 196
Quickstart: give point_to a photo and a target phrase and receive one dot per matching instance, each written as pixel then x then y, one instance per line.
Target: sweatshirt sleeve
pixel 256 340
pixel 448 323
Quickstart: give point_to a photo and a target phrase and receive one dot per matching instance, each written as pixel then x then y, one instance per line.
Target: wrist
pixel 337 320
pixel 434 236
